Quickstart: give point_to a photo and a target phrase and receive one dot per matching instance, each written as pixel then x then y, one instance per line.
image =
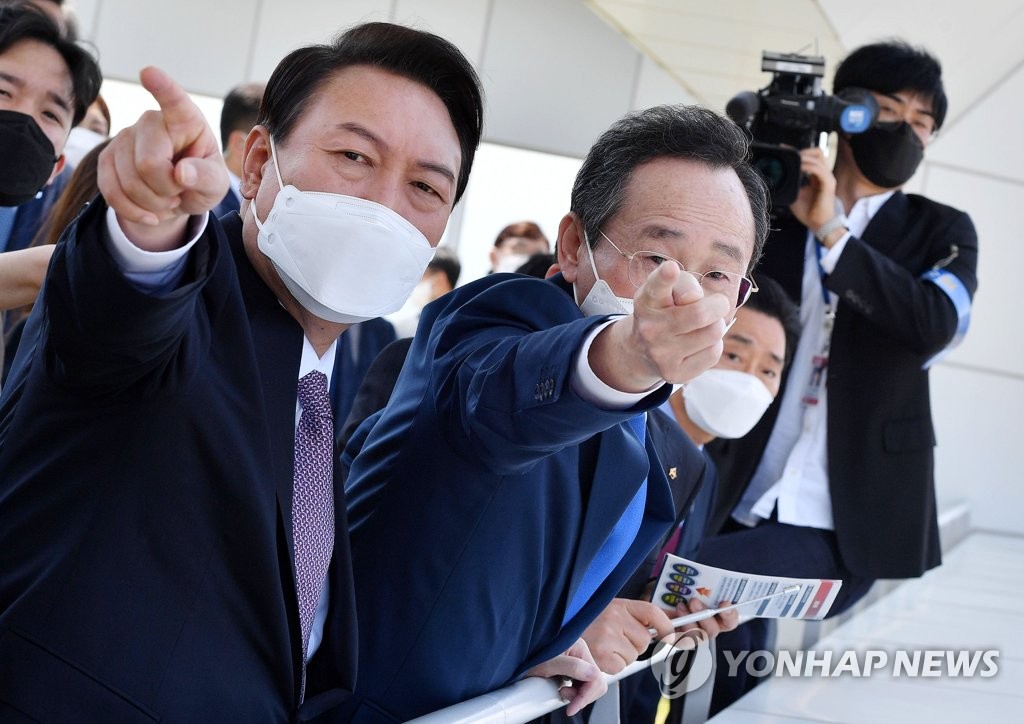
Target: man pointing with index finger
pixel 173 543
pixel 512 458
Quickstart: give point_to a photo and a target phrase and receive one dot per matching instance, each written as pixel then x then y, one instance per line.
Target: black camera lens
pixel 772 170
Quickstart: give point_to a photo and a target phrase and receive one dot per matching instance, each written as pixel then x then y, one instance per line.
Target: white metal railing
pixel 533 697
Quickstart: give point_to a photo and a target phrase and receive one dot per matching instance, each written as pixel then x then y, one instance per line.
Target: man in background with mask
pixel 515 244
pixel 508 490
pixel 172 535
pixel 837 482
pixel 46 84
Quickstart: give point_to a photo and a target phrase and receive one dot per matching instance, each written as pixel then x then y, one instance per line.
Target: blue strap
pixel 618 541
pixel 7 214
pixel 952 287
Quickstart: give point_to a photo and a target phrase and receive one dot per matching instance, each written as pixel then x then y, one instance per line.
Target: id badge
pixel 819 368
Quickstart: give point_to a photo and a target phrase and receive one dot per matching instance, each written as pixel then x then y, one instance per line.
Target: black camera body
pixel 791 113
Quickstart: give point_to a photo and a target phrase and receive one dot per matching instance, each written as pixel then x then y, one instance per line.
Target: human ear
pixel 254 160
pixel 570 240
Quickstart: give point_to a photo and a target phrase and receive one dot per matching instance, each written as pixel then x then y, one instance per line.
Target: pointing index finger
pixel 183 119
pixel 658 288
pixel 668 286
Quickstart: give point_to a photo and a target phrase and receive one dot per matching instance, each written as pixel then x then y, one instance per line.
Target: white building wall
pixel 977 164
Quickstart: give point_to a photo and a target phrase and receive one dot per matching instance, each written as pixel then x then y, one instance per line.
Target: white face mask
pixel 600 299
pixel 343 258
pixel 80 142
pixel 726 403
pixel 510 262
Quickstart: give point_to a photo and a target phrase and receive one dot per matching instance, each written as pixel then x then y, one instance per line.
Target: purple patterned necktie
pixel 312 499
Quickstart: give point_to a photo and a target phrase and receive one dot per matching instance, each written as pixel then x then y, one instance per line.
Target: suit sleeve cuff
pixel 831 256
pixel 130 259
pixel 591 388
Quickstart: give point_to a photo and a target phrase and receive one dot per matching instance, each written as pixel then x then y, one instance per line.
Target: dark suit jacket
pixel 880 434
pixel 482 495
pixel 355 354
pixel 146 449
pixel 376 387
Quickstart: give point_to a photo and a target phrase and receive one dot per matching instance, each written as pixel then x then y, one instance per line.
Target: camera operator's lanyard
pixel 819 362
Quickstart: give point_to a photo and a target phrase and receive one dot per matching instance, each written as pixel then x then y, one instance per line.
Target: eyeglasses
pixel 642 263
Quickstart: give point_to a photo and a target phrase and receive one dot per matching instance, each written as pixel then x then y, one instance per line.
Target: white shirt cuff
pixel 831 256
pixel 130 259
pixel 592 389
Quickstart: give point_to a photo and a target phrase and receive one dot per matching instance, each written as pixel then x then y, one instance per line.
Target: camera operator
pixel 837 479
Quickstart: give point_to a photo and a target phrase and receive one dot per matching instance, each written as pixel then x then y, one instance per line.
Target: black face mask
pixel 27 158
pixel 888 154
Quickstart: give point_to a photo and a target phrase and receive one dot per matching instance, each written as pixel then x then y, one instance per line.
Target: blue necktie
pixel 618 541
pixel 7 214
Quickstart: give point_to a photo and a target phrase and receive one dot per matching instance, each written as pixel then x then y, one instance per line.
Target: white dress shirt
pixel 590 387
pixel 795 461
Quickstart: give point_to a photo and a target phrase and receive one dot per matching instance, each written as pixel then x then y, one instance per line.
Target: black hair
pixel 240 110
pixel 414 54
pixel 892 66
pixel 447 261
pixel 25 22
pixel 771 300
pixel 678 131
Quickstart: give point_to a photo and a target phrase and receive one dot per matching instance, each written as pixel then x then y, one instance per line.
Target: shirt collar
pixel 310 361
pixel 864 209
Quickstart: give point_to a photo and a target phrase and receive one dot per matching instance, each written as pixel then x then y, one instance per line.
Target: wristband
pixel 836 222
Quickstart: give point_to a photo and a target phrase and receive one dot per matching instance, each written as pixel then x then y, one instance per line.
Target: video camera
pixel 791 113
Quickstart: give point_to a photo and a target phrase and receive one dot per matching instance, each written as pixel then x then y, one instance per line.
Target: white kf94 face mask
pixel 343 258
pixel 600 299
pixel 726 403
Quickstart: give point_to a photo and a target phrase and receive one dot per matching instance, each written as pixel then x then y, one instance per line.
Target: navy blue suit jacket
pixel 146 447
pixel 481 496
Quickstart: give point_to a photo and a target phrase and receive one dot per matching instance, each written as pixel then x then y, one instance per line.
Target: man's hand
pixel 163 169
pixel 674 334
pixel 816 203
pixel 587 683
pixel 725 621
pixel 621 633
